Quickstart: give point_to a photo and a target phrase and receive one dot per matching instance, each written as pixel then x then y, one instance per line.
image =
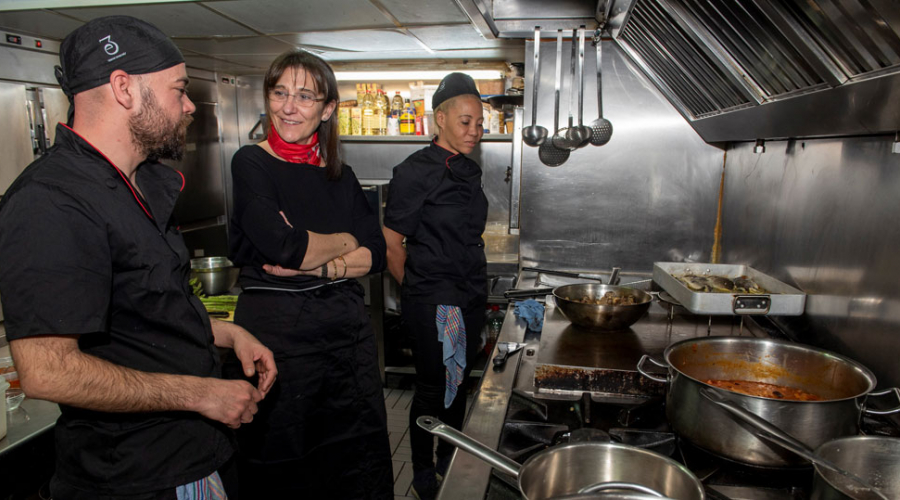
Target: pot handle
pixel 640 368
pixel 460 440
pixel 895 409
pixel 620 486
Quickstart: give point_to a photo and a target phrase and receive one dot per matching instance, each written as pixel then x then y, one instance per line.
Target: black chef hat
pixel 453 85
pixel 92 52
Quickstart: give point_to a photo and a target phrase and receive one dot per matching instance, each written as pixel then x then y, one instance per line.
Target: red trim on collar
pixel 182 180
pixel 447 161
pixel 136 197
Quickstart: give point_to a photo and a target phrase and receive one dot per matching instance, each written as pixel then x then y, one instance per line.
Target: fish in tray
pixel 720 284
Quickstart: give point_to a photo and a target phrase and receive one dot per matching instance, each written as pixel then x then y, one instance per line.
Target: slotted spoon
pixel 602 128
pixel 585 132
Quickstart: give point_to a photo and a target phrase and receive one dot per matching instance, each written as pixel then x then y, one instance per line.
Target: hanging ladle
pixel 549 154
pixel 773 434
pixel 534 134
pixel 570 138
pixel 601 127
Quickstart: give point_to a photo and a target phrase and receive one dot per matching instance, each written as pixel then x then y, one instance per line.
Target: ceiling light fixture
pixel 11 5
pixel 478 74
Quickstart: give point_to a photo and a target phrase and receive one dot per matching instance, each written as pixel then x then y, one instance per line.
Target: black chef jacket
pixel 436 200
pixel 265 185
pixel 82 254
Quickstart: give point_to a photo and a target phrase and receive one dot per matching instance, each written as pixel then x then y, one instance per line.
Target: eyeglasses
pixel 305 99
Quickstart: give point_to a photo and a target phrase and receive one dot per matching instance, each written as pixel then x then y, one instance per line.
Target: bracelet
pixel 345 266
pixel 324 273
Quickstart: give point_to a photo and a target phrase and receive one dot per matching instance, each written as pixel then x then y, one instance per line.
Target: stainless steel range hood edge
pixel 775 77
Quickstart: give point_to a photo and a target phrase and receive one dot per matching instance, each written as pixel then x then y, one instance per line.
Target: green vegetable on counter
pixel 197 288
pixel 224 303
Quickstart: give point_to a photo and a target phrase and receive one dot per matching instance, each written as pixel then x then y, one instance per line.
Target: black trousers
pixel 418 322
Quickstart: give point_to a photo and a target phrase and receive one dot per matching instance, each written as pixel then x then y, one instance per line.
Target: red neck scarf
pixel 295 153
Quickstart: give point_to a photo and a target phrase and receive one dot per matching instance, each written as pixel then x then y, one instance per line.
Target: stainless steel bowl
pixel 217 275
pixel 600 317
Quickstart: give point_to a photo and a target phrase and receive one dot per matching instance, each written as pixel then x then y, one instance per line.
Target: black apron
pixel 327 401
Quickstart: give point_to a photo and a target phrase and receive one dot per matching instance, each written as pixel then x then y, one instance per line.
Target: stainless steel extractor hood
pixel 757 69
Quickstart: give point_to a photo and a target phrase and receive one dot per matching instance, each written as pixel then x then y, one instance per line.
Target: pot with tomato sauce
pixel 811 394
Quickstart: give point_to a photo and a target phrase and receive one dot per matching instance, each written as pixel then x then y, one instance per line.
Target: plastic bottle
pixel 360 93
pixel 408 120
pixel 493 323
pixel 382 110
pixel 369 120
pixel 397 105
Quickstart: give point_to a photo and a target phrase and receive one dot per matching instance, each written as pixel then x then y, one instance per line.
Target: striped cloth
pixel 452 334
pixel 208 488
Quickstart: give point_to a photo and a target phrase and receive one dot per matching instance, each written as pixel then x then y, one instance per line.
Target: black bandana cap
pixel 92 52
pixel 453 85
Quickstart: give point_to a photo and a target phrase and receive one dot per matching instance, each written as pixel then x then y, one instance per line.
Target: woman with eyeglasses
pixel 300 229
pixel 437 204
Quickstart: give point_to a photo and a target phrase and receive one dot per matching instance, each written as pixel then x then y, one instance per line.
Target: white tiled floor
pixel 397 399
pixel 397 402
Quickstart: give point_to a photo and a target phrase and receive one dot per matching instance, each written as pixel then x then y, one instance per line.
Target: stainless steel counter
pixel 32 418
pixel 468 476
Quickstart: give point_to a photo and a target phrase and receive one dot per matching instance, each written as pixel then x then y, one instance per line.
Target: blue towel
pixel 532 312
pixel 452 334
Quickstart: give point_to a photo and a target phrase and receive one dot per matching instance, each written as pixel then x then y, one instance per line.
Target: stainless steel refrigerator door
pixel 16 150
pixel 56 110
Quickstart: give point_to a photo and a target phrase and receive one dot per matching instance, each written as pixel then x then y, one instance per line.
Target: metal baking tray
pixel 782 299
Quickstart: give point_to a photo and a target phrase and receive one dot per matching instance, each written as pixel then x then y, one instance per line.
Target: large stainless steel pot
pixel 569 470
pixel 601 317
pixel 843 383
pixel 874 458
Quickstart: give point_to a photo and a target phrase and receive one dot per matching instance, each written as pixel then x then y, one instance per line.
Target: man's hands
pixel 232 402
pixel 52 367
pixel 255 358
pixel 253 355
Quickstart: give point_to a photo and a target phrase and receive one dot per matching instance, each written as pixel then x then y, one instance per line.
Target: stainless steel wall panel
pixel 821 215
pixel 650 194
pixel 15 143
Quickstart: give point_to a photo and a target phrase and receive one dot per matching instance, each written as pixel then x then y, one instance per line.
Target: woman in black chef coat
pixel 301 227
pixel 436 202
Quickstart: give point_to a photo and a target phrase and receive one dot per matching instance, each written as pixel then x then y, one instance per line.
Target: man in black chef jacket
pixel 94 279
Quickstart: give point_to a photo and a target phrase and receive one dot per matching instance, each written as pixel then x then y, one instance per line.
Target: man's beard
pixel 152 132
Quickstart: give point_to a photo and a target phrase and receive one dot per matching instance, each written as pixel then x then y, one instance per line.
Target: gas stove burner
pixel 663 443
pixel 737 480
pixel 650 410
pixel 583 435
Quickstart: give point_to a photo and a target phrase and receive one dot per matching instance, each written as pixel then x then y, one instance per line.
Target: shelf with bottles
pixel 379 115
pixel 416 138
